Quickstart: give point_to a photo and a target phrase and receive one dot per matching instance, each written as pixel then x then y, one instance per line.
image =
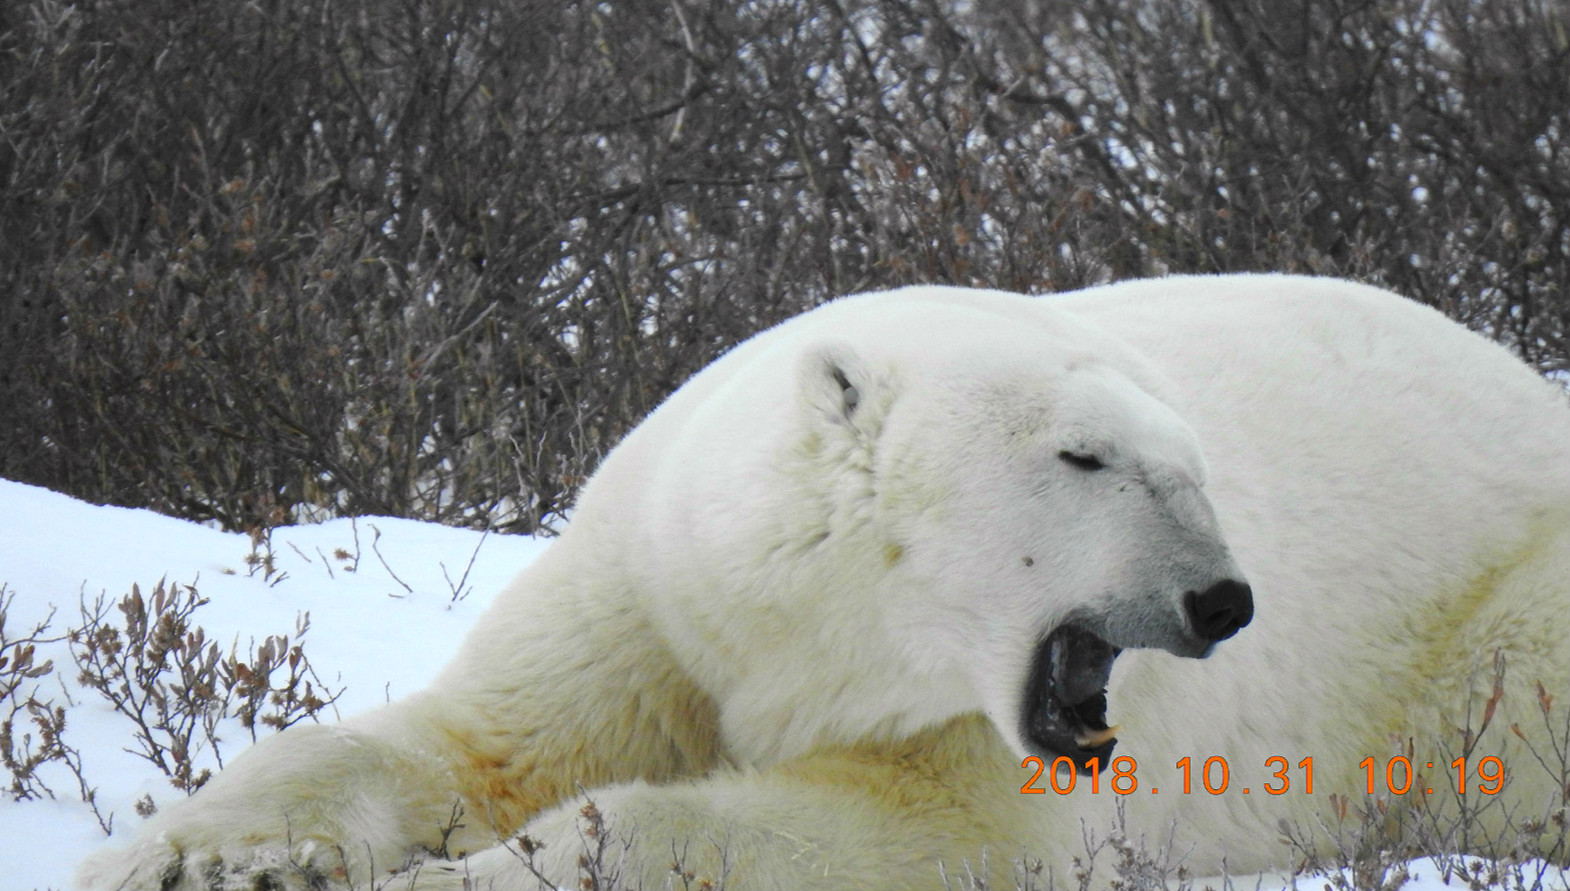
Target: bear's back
pixel 1333 376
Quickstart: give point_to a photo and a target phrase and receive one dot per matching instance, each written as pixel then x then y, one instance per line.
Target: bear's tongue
pixel 1081 664
pixel 1068 696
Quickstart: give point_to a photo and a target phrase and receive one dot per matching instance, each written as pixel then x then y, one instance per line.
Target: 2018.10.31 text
pixel 1214 776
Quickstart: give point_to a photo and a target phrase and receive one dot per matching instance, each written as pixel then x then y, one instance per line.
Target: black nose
pixel 1220 610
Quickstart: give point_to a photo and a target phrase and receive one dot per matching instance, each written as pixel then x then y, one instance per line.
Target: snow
pixel 385 615
pixel 369 634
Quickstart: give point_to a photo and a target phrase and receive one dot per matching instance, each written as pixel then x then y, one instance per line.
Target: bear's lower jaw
pixel 1064 714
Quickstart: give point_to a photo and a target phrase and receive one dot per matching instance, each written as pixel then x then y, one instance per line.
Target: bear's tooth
pixel 1094 738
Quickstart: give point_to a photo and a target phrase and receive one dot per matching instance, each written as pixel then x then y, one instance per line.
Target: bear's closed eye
pixel 1081 461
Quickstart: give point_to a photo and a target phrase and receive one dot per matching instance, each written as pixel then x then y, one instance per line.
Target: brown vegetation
pixel 431 258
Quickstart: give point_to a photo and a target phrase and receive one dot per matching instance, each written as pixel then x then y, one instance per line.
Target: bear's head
pixel 1036 510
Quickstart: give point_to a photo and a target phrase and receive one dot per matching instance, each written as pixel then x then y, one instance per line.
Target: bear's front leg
pixel 551 693
pixel 312 806
pixel 897 815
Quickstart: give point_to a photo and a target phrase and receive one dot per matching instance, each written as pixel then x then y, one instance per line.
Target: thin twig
pixel 378 552
pixel 458 592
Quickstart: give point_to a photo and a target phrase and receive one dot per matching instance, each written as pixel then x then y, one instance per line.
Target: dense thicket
pixel 432 257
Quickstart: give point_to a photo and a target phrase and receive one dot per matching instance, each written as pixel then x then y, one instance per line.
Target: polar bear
pixel 814 618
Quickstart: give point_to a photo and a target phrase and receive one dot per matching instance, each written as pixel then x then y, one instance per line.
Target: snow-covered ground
pixel 369 634
pixel 389 603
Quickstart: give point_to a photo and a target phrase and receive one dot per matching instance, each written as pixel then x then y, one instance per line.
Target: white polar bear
pixel 812 614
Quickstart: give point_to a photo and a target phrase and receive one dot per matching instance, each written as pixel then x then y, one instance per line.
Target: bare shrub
pixel 1366 846
pixel 602 854
pixel 21 751
pixel 18 668
pixel 432 259
pixel 159 670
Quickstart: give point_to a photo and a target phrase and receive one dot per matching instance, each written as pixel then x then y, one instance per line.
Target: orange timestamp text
pixel 1214 776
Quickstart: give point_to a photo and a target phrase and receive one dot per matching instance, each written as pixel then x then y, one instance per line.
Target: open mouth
pixel 1065 712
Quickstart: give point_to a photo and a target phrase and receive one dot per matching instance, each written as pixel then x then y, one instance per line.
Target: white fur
pixel 788 629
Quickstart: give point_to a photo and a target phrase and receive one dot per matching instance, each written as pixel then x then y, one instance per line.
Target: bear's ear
pixel 834 381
